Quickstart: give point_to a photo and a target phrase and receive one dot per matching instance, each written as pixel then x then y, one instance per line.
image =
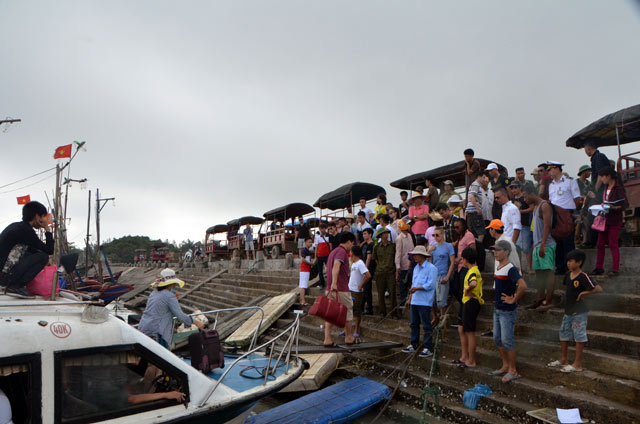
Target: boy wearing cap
pixel 510 286
pixel 496 230
pixel 420 300
pixel 384 253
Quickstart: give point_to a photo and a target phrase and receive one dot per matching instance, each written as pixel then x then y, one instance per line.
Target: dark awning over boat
pixel 288 211
pixel 454 172
pixel 603 131
pixel 348 195
pixel 251 220
pixel 220 228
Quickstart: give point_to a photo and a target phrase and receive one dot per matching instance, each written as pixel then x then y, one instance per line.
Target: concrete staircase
pixel 607 391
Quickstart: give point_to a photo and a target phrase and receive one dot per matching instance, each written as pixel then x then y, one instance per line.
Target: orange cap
pixel 402 226
pixel 496 224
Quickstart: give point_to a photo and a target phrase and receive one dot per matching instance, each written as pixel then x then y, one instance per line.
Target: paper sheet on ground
pixel 569 416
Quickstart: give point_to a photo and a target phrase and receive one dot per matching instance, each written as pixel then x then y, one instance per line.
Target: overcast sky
pixel 197 112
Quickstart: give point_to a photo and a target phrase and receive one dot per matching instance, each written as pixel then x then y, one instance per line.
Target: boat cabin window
pixel 104 383
pixel 20 395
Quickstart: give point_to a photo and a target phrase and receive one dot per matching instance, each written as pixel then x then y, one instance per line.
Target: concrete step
pixel 622 284
pixel 258 278
pixel 224 293
pixel 539 375
pixel 248 291
pixel 266 285
pixel 205 305
pixel 216 299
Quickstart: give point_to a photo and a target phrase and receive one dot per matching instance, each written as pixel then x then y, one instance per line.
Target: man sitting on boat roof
pixel 22 254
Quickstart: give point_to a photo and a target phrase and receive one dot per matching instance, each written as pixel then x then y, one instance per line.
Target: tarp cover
pixel 291 210
pixel 252 220
pixel 347 195
pixel 603 131
pixel 454 172
pixel 339 403
pixel 220 228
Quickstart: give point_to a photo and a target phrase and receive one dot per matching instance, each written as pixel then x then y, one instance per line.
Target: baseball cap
pixel 492 166
pixel 496 224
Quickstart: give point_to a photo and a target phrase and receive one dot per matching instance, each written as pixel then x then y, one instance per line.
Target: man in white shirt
pixel 510 215
pixel 368 213
pixel 361 221
pixel 565 193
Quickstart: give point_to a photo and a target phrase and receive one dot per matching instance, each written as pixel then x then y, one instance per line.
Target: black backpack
pixel 206 353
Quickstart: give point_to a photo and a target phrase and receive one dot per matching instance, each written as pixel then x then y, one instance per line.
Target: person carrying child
pixel 359 276
pixel 574 322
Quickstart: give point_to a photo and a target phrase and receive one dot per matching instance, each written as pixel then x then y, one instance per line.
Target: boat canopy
pixel 620 127
pixel 251 220
pixel 348 195
pixel 220 228
pixel 454 172
pixel 288 211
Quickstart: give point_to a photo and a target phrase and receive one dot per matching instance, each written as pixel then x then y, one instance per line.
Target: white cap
pixel 455 199
pixel 551 162
pixel 492 166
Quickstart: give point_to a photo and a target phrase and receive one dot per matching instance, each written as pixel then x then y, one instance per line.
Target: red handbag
pixel 334 312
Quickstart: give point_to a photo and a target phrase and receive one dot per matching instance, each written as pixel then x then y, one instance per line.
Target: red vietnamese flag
pixel 24 199
pixel 63 152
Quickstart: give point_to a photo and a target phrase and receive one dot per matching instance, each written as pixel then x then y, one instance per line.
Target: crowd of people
pixel 431 249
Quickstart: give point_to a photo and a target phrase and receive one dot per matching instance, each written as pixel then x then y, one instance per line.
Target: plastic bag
pixel 41 284
pixel 472 396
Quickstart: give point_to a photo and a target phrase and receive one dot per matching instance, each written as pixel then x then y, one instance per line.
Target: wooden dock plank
pixel 274 308
pixel 321 366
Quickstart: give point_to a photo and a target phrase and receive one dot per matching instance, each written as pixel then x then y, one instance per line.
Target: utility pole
pixel 100 203
pixel 56 221
pixel 87 247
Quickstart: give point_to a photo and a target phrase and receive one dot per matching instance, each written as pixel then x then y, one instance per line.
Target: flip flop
pixel 497 373
pixel 508 377
pixel 456 362
pixel 356 335
pixel 570 368
pixel 462 365
pixel 555 364
pixel 341 334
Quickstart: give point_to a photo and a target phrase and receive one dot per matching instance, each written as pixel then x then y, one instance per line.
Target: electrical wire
pixel 31 176
pixel 28 185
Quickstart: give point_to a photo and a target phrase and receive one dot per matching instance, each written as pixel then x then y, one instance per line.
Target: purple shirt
pixel 339 254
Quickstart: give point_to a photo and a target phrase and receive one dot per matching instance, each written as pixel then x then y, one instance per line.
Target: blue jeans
pixel 421 315
pixel 504 324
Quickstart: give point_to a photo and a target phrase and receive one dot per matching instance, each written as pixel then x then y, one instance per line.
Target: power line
pixel 28 185
pixel 31 176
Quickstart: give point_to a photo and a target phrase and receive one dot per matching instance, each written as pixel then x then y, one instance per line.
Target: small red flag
pixel 63 152
pixel 24 199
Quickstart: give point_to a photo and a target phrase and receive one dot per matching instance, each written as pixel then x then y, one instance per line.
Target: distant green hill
pixel 123 249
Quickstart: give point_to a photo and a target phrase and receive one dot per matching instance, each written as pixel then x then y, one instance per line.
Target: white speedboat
pixel 68 361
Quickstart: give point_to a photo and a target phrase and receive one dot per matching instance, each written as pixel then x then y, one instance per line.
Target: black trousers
pixel 26 269
pixel 322 262
pixel 368 295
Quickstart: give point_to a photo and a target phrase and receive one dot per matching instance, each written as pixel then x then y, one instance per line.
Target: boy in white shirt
pixel 357 279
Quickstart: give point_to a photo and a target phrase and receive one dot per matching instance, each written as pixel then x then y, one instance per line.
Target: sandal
pixel 555 364
pixel 356 335
pixel 497 373
pixel 508 377
pixel 570 368
pixel 462 366
pixel 456 362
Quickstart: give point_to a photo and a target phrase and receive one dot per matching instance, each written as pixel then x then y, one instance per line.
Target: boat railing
pixel 217 312
pixel 290 346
